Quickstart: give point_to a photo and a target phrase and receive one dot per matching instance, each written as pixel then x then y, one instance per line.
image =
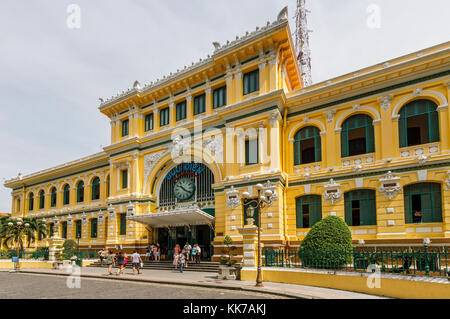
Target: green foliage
pixel 70 244
pixel 328 244
pixel 228 249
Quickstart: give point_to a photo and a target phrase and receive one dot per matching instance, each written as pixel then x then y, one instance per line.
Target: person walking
pixel 136 261
pixel 176 250
pixel 152 255
pixel 158 252
pixel 182 259
pixel 102 255
pixel 199 251
pixel 175 259
pixel 110 261
pixel 120 262
pixel 194 253
pixel 147 254
pixel 187 248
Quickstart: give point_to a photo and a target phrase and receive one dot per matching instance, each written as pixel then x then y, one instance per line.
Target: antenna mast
pixel 302 43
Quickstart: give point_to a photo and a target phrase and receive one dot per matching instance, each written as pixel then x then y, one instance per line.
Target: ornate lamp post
pixel 266 196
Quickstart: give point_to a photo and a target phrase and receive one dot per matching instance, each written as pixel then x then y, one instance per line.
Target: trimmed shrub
pixel 70 244
pixel 327 245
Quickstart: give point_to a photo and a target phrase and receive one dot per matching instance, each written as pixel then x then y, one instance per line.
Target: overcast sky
pixel 51 76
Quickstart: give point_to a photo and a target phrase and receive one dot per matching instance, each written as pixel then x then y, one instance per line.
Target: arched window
pixel 423 203
pixel 95 188
pixel 308 210
pixel 80 192
pixel 418 123
pixel 357 135
pixel 360 208
pixel 30 202
pixel 307 147
pixel 53 197
pixel 66 192
pixel 41 199
pixel 107 186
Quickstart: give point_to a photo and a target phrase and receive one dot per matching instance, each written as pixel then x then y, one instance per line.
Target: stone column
pixel 189 107
pixel 238 86
pixel 54 243
pixel 229 80
pixel 208 99
pixel 262 77
pixel 250 246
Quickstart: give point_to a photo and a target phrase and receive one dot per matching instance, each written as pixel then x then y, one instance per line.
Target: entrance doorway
pixel 201 235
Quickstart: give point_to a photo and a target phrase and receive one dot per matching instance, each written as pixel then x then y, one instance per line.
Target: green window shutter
pixel 251 82
pixel 149 122
pixel 30 202
pixel 164 117
pixel 78 229
pixel 53 197
pixel 402 130
pixel 407 204
pixel 123 224
pixel 433 122
pixel 297 153
pixel 180 111
pixel 41 200
pixel 370 145
pixel 298 212
pixel 344 142
pixel 125 178
pixel 64 230
pixel 436 213
pixel 316 214
pixel 80 192
pixel 66 195
pixel 219 97
pixel 95 189
pixel 125 127
pixel 348 208
pixel 199 104
pixel 94 228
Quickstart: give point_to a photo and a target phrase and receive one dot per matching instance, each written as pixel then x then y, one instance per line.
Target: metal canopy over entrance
pixel 178 217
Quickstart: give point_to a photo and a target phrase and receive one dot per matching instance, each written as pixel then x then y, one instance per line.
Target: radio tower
pixel 302 43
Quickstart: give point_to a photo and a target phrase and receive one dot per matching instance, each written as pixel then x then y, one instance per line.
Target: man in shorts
pixel 136 261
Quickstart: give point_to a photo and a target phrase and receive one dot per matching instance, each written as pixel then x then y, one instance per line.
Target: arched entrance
pixel 185 208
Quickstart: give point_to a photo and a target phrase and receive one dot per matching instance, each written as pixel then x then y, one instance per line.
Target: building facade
pixel 372 147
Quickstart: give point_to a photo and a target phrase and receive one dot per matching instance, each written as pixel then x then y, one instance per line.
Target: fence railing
pixel 433 261
pixel 43 254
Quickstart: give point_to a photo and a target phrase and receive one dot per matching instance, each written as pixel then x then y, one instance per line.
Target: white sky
pixel 51 76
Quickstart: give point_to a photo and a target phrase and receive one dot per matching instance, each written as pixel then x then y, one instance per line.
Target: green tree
pixel 37 228
pixel 327 245
pixel 228 249
pixel 13 233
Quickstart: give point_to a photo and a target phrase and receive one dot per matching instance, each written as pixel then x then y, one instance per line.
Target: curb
pixel 192 283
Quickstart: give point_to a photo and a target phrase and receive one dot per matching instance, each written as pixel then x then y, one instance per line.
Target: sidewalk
pixel 205 279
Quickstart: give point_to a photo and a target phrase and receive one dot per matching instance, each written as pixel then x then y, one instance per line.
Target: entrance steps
pixel 204 266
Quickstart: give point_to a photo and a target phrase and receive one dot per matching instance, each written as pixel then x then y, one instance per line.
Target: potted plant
pixel 226 270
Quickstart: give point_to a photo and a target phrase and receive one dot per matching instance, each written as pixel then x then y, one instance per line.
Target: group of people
pixel 181 257
pixel 120 259
pixel 153 252
pixel 188 253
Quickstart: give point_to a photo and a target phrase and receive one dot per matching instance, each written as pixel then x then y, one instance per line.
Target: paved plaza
pixel 169 284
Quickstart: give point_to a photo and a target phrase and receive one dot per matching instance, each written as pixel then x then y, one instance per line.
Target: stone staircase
pixel 204 266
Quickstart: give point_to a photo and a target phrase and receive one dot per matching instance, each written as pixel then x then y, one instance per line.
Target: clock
pixel 184 188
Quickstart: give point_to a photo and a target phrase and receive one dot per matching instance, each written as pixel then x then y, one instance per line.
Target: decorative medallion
pixel 389 185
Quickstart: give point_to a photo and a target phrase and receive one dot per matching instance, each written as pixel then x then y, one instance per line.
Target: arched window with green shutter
pixel 360 207
pixel 95 189
pixel 357 136
pixel 53 194
pixel 308 210
pixel 423 203
pixel 66 194
pixel 418 123
pixel 41 199
pixel 94 228
pixel 64 230
pixel 80 192
pixel 30 202
pixel 307 146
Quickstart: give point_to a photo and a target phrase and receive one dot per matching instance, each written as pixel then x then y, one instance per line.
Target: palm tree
pixel 37 227
pixel 13 232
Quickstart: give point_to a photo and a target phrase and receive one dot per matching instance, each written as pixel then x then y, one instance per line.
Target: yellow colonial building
pixel 371 146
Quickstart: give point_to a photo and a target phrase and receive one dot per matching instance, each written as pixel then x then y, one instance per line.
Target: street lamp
pixel 266 196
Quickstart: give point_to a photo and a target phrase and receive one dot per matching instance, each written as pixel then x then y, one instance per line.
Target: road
pixel 30 286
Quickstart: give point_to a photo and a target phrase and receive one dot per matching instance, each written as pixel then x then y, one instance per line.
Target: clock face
pixel 184 188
